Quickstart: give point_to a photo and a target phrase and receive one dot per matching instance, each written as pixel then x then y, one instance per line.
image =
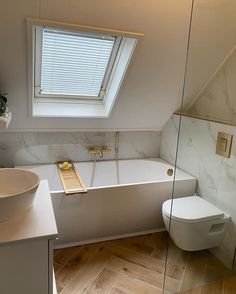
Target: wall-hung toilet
pixel 195 223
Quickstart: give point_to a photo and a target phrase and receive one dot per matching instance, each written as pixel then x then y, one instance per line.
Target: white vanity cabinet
pixel 26 249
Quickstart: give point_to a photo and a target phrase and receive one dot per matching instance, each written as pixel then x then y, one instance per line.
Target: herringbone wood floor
pixel 227 286
pixel 135 265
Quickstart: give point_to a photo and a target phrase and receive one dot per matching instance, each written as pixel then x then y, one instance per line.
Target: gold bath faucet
pixel 98 150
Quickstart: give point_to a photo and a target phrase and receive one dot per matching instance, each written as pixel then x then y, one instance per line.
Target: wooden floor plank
pixel 65 274
pixel 230 285
pixel 231 280
pixel 134 257
pixel 134 243
pixel 136 265
pixel 229 289
pixel 57 267
pixel 213 274
pixel 214 262
pixel 153 240
pixel 192 291
pixel 61 256
pixel 160 250
pixel 116 291
pixel 87 274
pixel 214 288
pixel 177 260
pixel 136 271
pixel 133 286
pixel 195 271
pixel 172 285
pixel 103 283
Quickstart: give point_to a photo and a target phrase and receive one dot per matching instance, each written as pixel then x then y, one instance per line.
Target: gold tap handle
pixel 170 172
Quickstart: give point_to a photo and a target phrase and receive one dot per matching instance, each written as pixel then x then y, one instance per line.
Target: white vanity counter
pixel 26 248
pixel 37 222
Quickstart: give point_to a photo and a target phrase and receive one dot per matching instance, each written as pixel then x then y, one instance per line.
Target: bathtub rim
pixel 156 159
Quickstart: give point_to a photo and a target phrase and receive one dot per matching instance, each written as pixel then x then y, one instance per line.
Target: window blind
pixel 74 64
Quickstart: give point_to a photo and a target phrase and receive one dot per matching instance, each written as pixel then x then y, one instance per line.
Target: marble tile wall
pixel 39 148
pixel 216 175
pixel 217 100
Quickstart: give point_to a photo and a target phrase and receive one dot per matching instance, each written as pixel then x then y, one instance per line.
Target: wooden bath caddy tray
pixel 70 178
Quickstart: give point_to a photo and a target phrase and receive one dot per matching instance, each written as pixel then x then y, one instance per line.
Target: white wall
pixel 152 88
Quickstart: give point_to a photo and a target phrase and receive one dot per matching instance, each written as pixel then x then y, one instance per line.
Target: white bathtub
pixel 110 210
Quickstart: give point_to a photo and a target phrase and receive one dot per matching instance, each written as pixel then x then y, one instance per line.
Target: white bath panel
pixel 110 238
pixel 111 209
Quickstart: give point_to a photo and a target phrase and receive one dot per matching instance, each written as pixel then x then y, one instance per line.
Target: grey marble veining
pixel 217 100
pixel 216 175
pixel 39 148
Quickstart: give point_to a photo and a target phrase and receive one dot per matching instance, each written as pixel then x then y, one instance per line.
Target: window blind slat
pixel 74 64
pixel 62 62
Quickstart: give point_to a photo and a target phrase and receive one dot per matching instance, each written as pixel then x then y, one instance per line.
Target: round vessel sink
pixel 17 191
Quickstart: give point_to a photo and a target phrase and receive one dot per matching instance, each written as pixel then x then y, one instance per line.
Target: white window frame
pixel 38 67
pixel 46 106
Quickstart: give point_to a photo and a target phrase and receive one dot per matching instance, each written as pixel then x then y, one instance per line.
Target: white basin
pixel 17 191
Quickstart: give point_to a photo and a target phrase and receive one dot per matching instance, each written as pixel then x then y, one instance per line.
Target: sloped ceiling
pixel 213 36
pixel 217 100
pixel 153 85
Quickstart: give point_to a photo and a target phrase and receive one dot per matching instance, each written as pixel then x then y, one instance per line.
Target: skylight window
pixel 75 71
pixel 75 65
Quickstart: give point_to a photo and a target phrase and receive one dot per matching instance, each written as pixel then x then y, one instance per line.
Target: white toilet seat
pixel 192 209
pixel 193 223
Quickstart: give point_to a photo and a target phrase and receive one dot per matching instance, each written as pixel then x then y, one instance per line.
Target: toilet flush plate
pixel 224 143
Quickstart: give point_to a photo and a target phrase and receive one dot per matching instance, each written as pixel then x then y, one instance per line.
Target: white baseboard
pixel 109 238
